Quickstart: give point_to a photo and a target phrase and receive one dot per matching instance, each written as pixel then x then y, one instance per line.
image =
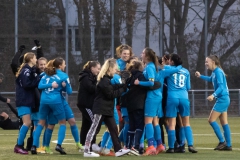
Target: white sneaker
pixel 122 152
pixel 90 154
pixel 134 152
pixel 82 149
pixel 96 148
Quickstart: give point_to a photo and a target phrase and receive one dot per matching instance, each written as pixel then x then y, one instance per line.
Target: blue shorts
pixel 23 110
pixel 51 119
pixel 175 105
pixel 222 104
pixel 57 109
pixel 35 116
pixel 124 112
pixel 160 111
pixel 68 111
pixel 152 108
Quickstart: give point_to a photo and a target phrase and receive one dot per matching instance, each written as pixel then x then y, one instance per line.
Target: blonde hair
pixel 109 63
pixel 123 47
pixel 26 59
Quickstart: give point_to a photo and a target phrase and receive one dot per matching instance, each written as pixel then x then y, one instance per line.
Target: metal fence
pixel 200 107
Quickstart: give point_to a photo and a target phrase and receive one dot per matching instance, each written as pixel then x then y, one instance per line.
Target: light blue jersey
pixel 219 82
pixel 166 72
pixel 121 64
pixel 53 95
pixel 151 75
pixel 179 84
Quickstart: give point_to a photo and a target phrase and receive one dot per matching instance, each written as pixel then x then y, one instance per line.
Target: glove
pixel 21 48
pixel 37 42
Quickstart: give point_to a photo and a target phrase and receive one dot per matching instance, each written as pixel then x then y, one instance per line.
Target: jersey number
pixel 49 89
pixel 179 80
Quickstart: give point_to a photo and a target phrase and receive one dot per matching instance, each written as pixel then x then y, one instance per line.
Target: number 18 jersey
pixel 179 84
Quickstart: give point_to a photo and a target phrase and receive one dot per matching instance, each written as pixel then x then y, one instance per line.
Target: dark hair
pixel 123 47
pixel 90 64
pixel 176 59
pixel 135 65
pixel 166 57
pixel 132 58
pixel 51 69
pixel 151 55
pixel 160 60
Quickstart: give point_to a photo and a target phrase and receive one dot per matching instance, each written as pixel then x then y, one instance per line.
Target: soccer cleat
pixel 79 147
pixel 220 145
pixel 134 152
pixel 160 148
pixel 90 154
pixel 192 149
pixel 170 150
pixel 180 149
pixel 96 148
pixel 226 148
pixel 107 152
pixel 60 149
pixel 41 150
pixel 122 152
pixel 34 150
pixel 48 151
pixel 20 149
pixel 141 151
pixel 150 151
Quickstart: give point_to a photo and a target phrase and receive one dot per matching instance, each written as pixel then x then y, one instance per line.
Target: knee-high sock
pixel 182 136
pixel 75 133
pixel 104 139
pixel 22 134
pixel 189 135
pixel 157 134
pixel 44 139
pixel 37 135
pixel 171 138
pixel 48 136
pixel 121 135
pixel 109 143
pixel 149 134
pixel 217 131
pixel 61 133
pixel 227 134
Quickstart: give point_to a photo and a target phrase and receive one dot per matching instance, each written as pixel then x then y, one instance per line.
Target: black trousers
pixel 96 125
pixel 87 119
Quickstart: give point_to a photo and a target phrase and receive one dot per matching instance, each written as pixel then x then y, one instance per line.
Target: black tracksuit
pixel 103 110
pixel 86 94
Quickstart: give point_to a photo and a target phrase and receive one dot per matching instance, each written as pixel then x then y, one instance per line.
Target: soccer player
pixel 221 95
pixel 26 82
pixel 177 99
pixel 152 103
pixel 51 100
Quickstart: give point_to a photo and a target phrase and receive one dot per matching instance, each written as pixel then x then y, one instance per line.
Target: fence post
pixel 239 102
pixel 193 104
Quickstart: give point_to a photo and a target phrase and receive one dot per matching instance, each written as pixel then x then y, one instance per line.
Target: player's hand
pixel 63 84
pixel 8 100
pixel 197 74
pixel 136 82
pixel 54 85
pixel 210 98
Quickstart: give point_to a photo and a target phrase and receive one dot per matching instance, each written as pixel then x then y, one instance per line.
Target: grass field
pixel 204 140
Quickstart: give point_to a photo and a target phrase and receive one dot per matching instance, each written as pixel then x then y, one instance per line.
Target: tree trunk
pixel 148 9
pixel 130 11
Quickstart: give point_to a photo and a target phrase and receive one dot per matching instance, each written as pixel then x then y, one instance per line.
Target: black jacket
pixel 86 89
pixel 104 101
pixel 26 83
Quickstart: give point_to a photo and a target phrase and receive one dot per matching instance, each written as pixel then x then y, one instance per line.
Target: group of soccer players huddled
pixel 137 100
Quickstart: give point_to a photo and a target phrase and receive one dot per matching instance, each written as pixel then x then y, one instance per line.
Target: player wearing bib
pixel 177 99
pixel 152 103
pixel 221 94
pixel 51 99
